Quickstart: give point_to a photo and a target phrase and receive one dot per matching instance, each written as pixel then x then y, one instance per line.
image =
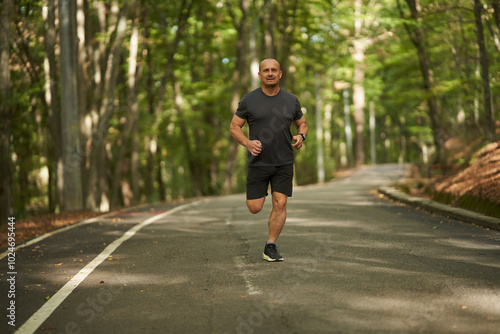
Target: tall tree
pixel 5 110
pixel 70 139
pixel 107 63
pixel 183 11
pixel 489 121
pixel 52 98
pixel 416 35
pixel 131 120
pixel 240 79
pixel 319 130
pixel 360 43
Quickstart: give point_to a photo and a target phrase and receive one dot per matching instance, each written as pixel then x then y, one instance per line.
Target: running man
pixel 269 111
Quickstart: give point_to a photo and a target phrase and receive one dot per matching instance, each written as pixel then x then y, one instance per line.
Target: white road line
pixel 245 273
pixel 37 319
pixel 247 276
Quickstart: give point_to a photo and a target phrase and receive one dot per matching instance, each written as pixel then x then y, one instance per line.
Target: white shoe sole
pixel 269 259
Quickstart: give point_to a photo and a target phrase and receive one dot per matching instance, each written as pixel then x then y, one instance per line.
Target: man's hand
pixel 298 141
pixel 254 147
pixel 301 128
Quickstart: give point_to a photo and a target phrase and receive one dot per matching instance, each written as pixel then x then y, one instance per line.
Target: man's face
pixel 270 73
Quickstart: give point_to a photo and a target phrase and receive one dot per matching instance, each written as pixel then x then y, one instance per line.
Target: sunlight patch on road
pixel 313 222
pixel 468 244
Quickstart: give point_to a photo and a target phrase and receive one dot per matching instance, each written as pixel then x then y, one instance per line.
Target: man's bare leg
pixel 277 218
pixel 255 205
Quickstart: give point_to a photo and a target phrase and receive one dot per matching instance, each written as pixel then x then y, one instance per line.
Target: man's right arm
pixel 236 130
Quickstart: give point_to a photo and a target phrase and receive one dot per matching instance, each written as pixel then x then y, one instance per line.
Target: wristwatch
pixel 303 136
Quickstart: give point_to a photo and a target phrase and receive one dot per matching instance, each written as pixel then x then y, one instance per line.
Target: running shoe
pixel 271 253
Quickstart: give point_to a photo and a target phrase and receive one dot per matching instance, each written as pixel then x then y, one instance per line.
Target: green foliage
pixel 190 128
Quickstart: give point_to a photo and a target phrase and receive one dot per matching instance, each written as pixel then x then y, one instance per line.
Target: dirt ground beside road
pixel 32 227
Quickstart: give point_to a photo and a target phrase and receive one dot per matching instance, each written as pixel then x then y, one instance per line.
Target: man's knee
pixel 279 202
pixel 254 209
pixel 255 206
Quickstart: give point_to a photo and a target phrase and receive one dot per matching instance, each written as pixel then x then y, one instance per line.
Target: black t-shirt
pixel 269 119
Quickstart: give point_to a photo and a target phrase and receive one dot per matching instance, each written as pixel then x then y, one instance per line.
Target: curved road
pixel 354 263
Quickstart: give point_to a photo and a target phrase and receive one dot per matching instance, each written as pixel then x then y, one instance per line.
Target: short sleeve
pixel 242 111
pixel 298 110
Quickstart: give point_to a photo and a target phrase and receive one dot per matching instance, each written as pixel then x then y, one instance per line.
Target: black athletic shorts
pixel 259 177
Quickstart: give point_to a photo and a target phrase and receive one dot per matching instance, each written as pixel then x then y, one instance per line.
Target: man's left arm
pixel 302 129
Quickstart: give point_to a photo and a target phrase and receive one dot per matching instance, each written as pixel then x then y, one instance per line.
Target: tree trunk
pixel 417 38
pixel 358 98
pixel 98 197
pixel 347 127
pixel 72 187
pixel 286 27
pixel 83 87
pixel 358 90
pixel 51 96
pixel 240 84
pixel 159 175
pixel 148 175
pixel 373 142
pixel 131 123
pixel 5 111
pixel 157 106
pixel 254 60
pixel 195 167
pixel 489 122
pixel 319 131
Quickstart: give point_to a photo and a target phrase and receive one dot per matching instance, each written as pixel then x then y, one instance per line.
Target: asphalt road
pixel 354 263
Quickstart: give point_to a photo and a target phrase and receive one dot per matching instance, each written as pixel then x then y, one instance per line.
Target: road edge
pixel 441 209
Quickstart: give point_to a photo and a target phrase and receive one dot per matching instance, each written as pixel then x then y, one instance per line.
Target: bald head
pixel 270 75
pixel 270 61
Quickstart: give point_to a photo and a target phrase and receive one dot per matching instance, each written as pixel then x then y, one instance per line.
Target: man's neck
pixel 270 90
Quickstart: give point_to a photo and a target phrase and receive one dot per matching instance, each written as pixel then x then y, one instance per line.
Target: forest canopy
pixel 105 104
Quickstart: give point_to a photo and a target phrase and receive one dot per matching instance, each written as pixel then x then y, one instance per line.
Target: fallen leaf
pixel 101 282
pixel 47 298
pixel 245 296
pixel 59 264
